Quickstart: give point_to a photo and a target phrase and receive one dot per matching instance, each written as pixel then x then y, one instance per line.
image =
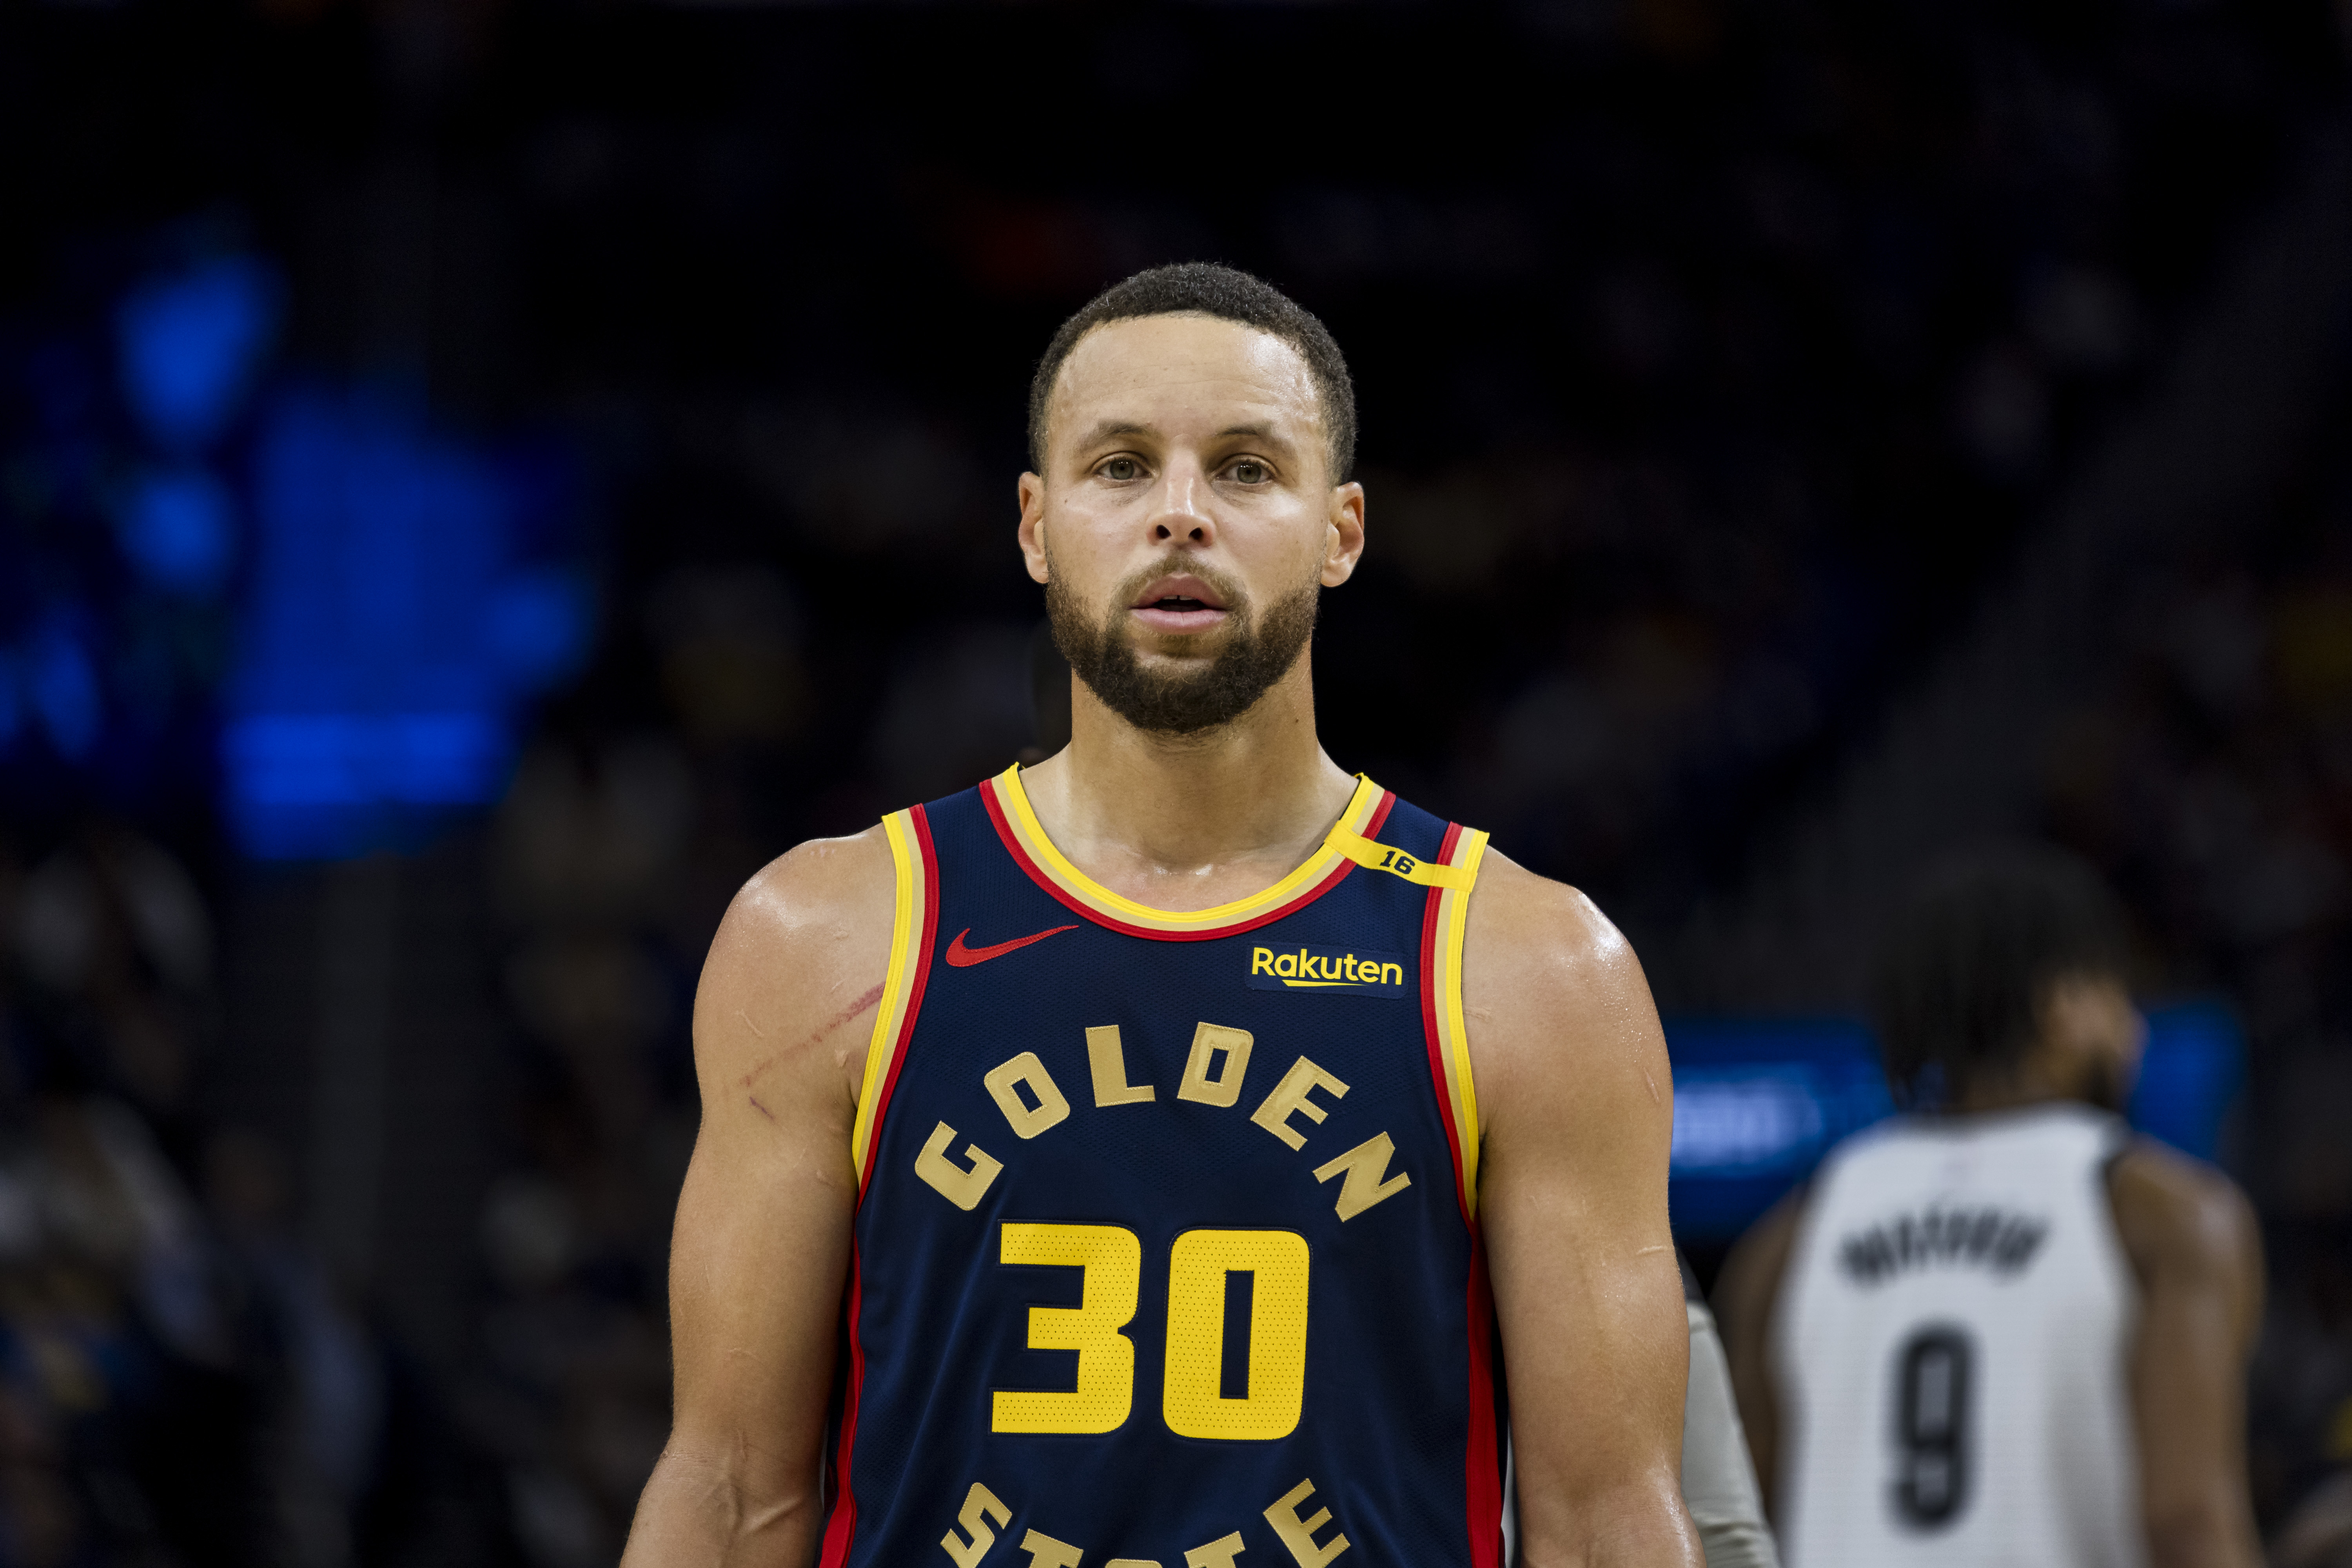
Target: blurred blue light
pixel 2190 1076
pixel 64 689
pixel 179 529
pixel 539 627
pixel 389 633
pixel 366 759
pixel 12 712
pixel 189 345
pixel 1758 1102
pixel 1745 1120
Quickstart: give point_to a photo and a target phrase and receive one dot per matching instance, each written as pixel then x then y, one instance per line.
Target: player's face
pixel 2088 1020
pixel 1187 520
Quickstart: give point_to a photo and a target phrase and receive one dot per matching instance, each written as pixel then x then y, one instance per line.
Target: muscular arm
pixel 762 1245
pixel 2193 1246
pixel 1745 1295
pixel 1576 1100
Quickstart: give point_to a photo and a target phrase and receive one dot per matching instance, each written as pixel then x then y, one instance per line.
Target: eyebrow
pixel 1113 427
pixel 1255 432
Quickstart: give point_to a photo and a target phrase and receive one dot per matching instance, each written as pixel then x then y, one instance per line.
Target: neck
pixel 1191 821
pixel 2030 1083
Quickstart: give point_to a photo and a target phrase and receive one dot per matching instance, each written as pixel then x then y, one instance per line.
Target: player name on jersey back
pixel 1988 1237
pixel 1166 1249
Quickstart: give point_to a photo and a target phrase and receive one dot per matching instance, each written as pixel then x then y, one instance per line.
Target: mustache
pixel 1174 564
pixel 1210 692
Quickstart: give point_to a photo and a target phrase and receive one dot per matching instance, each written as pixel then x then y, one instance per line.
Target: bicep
pixel 2190 1241
pixel 761 1249
pixel 1573 1205
pixel 757 1263
pixel 755 1285
pixel 2188 1375
pixel 1589 1304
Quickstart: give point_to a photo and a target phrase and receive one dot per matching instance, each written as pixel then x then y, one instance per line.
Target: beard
pixel 1198 694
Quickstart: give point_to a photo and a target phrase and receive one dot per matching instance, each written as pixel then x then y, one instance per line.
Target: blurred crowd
pixel 180 1382
pixel 185 1376
pixel 1715 357
pixel 2212 778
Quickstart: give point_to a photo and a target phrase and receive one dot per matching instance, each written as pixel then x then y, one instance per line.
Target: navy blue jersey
pixel 1165 1250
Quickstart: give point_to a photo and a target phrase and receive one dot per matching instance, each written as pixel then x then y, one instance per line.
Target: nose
pixel 1180 512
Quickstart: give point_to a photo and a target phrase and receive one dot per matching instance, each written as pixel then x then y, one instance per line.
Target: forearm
pixel 2216 1533
pixel 696 1513
pixel 1636 1526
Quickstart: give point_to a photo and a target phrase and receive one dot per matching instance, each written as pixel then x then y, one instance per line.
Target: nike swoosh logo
pixel 964 957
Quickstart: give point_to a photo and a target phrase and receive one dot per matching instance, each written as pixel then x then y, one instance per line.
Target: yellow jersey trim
pixel 897 981
pixel 1454 1034
pixel 1379 856
pixel 1085 889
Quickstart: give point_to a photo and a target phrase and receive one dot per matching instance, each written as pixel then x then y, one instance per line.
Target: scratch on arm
pixel 827 1027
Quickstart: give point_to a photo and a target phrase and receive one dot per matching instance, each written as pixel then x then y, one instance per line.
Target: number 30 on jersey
pixel 1200 1266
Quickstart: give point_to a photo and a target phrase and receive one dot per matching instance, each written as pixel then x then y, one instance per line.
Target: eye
pixel 1250 471
pixel 1122 469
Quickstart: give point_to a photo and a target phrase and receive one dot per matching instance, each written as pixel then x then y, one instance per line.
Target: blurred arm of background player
pixel 1576 1102
pixel 2191 1241
pixel 761 1249
pixel 1718 1479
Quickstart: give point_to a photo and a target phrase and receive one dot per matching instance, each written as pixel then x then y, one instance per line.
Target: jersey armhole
pixel 913 925
pixel 1444 926
pixel 2119 1141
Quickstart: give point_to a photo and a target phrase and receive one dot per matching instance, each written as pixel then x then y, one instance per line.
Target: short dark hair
pixel 1964 971
pixel 1205 288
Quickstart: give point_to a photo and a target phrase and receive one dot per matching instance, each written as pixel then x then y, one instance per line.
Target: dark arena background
pixel 478 480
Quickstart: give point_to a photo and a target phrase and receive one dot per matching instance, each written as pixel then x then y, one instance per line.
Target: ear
pixel 1343 541
pixel 1033 526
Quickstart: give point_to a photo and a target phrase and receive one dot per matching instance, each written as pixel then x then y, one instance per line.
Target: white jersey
pixel 1950 1348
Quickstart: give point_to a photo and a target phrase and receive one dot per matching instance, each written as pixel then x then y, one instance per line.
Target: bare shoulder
pixel 1552 993
pixel 1534 945
pixel 2180 1217
pixel 798 960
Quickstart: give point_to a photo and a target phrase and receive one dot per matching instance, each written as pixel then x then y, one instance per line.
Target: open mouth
pixel 1179 605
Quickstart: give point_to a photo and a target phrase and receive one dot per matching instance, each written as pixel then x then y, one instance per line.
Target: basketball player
pixel 1155 1156
pixel 2010 1332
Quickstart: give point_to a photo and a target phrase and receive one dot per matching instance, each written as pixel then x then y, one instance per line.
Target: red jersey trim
pixel 1483 1468
pixel 841 1528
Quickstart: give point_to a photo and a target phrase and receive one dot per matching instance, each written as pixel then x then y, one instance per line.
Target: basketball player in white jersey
pixel 2008 1332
